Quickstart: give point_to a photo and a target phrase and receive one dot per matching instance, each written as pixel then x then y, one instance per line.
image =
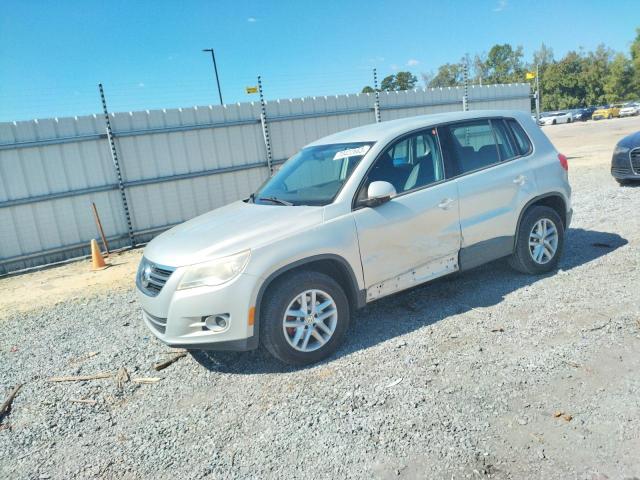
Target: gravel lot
pixel 488 374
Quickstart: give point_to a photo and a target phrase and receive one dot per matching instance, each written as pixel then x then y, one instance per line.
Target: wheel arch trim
pixel 357 295
pixel 534 200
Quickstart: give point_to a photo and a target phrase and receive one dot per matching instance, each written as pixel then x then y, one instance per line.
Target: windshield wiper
pixel 277 200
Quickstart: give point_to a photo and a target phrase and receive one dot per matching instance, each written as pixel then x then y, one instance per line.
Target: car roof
pixel 388 130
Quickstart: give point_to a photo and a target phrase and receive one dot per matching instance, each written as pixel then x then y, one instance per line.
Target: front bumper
pixel 176 317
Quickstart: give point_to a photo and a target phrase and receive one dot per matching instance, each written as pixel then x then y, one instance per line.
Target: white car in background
pixel 630 109
pixel 553 118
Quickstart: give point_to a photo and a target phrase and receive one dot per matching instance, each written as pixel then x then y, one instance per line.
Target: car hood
pixel 227 230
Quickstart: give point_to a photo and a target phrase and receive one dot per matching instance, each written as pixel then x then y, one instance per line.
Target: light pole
pixel 215 69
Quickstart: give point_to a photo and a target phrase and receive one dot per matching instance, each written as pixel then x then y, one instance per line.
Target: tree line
pixel 579 79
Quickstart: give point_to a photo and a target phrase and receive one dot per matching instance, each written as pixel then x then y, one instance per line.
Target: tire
pixel 522 258
pixel 282 296
pixel 622 182
pixel 569 120
pixel 553 122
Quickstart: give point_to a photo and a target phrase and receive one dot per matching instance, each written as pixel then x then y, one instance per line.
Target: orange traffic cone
pixel 97 262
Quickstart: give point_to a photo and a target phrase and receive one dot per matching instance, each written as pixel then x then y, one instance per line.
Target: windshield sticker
pixel 352 152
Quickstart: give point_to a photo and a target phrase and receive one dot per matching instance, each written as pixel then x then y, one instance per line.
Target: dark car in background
pixel 583 114
pixel 625 163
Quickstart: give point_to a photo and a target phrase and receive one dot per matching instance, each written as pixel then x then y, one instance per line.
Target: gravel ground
pixel 487 374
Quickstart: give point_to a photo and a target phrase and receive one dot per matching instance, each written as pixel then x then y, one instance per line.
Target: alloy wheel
pixel 310 320
pixel 543 241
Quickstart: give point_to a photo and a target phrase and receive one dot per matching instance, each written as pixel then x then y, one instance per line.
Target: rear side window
pixel 523 144
pixel 469 146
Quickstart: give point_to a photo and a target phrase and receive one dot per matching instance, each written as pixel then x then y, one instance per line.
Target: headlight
pixel 215 272
pixel 619 150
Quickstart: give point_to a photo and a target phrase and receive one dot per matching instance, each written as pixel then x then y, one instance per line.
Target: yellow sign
pixel 530 75
pixel 251 89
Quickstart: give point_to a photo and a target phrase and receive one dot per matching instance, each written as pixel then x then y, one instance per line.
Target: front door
pixel 415 236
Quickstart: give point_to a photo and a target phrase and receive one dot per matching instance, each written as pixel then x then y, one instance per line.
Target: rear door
pixel 494 183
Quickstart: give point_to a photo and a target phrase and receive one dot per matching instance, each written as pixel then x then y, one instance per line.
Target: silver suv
pixel 354 217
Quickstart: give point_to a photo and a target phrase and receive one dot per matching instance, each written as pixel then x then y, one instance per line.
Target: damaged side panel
pixel 413 277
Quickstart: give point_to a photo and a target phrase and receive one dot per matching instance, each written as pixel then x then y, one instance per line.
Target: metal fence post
pixel 116 164
pixel 465 96
pixel 265 127
pixel 376 105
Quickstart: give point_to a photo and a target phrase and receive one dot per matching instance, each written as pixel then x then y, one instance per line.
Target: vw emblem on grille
pixel 146 276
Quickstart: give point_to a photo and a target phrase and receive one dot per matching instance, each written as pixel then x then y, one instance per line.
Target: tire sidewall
pixel 527 223
pixel 279 296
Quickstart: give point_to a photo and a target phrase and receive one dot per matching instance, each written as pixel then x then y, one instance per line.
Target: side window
pixel 523 143
pixel 506 149
pixel 470 145
pixel 410 163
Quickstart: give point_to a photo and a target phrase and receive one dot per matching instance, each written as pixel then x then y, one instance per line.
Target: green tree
pixel 635 59
pixel 504 64
pixel 449 75
pixel 368 89
pixel 595 71
pixel 388 83
pixel 399 81
pixel 562 85
pixel 619 83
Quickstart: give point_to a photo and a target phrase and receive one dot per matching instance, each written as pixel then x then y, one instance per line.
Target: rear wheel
pixel 540 241
pixel 304 317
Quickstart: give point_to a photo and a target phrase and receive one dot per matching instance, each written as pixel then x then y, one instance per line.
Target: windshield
pixel 313 176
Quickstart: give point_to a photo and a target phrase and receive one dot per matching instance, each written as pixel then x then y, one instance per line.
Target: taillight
pixel 563 161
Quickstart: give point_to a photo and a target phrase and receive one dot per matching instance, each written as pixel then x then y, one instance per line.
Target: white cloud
pixel 394 67
pixel 412 62
pixel 502 4
pixel 141 85
pixel 252 19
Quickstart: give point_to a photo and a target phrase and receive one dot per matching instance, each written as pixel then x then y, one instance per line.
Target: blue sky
pixel 148 53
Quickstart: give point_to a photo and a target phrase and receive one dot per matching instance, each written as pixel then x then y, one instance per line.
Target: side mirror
pixel 379 193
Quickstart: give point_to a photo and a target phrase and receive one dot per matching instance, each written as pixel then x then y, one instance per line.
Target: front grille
pixel 152 277
pixel 158 323
pixel 635 160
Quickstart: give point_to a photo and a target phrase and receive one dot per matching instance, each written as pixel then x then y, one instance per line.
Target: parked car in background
pixel 606 111
pixel 625 162
pixel 553 118
pixel 583 114
pixel 354 217
pixel 630 109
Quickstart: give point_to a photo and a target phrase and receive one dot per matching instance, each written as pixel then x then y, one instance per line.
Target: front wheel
pixel 539 242
pixel 304 317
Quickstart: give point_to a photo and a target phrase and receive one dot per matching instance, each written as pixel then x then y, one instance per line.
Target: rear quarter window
pixel 523 144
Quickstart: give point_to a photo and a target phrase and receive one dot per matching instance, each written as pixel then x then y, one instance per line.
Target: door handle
pixel 519 180
pixel 445 203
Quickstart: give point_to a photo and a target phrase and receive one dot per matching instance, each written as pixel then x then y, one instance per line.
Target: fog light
pixel 217 323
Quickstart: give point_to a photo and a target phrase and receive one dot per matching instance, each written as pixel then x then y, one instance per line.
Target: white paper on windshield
pixel 352 152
